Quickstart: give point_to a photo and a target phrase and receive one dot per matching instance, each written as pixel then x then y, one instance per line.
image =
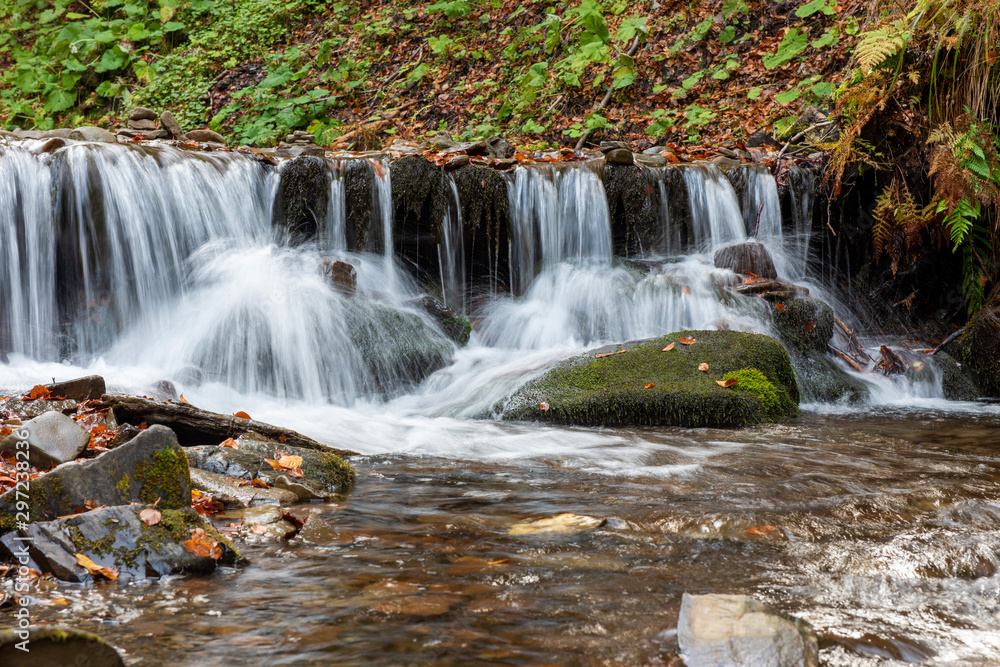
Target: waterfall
pixel 716 219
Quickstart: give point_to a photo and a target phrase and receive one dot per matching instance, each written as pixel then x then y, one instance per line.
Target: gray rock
pixel 724 163
pixel 805 325
pixel 150 466
pixel 126 433
pixel 441 141
pixel 457 162
pixel 500 148
pixel 727 152
pixel 654 150
pixel 762 139
pixel 737 631
pixel 52 438
pixel 54 646
pixel 50 146
pixel 748 257
pixel 61 133
pixel 317 531
pixel 342 276
pixel 265 524
pixel 230 462
pixel 164 390
pixel 170 124
pixel 31 409
pixel 142 124
pixel 294 150
pixel 95 134
pixel 142 113
pixel 117 537
pixel 301 487
pixel 619 156
pixel 230 494
pixel 300 137
pixel 650 160
pixel 206 136
pixel 88 388
pixel 608 146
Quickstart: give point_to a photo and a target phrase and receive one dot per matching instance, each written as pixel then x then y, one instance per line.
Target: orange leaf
pixel 150 516
pixel 230 443
pixel 290 461
pixel 760 530
pixel 544 406
pixel 201 544
pixel 601 356
pixel 259 483
pixel 39 391
pixel 780 307
pixel 296 472
pixel 685 290
pixel 727 383
pixel 687 340
pixel 142 426
pixel 241 415
pixel 621 351
pixel 258 529
pixel 94 568
pixel 703 367
pixel 650 385
pixel 810 326
pixel 668 347
pixel 282 438
pixel 183 400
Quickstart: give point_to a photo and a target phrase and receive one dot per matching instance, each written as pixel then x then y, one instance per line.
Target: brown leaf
pixel 94 568
pixel 282 438
pixel 241 415
pixel 258 529
pixel 290 462
pixel 543 406
pixel 230 443
pixel 727 383
pixel 39 391
pixel 780 307
pixel 601 356
pixel 150 516
pixel 183 400
pixel 668 348
pixel 703 367
pixel 687 340
pixel 760 530
pixel 292 519
pixel 259 483
pixel 201 544
pixel 650 385
pixel 810 326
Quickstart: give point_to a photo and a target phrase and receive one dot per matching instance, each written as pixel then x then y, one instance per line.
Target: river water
pixel 884 513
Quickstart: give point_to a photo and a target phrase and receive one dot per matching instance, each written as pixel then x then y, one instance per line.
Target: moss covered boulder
pixel 804 324
pixel 55 647
pixel 979 347
pixel 641 384
pixel 303 196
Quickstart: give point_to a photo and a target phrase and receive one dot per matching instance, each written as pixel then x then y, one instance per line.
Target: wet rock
pixel 762 139
pixel 654 150
pixel 50 146
pixel 324 468
pixel 744 258
pixel 150 466
pixel 171 125
pixel 773 290
pixel 61 133
pixel 317 531
pixel 457 328
pixel 342 276
pixel 302 488
pixel 88 388
pixel 265 524
pixel 457 162
pixel 500 148
pixel 54 646
pixel 164 390
pixel 805 325
pixel 646 385
pixel 563 524
pixel 116 537
pixel 608 146
pixel 955 381
pixel 52 438
pixel 31 409
pixel 650 160
pixel 141 113
pixel 142 124
pixel 619 156
pixel 979 346
pixel 95 134
pixel 738 631
pixel 303 196
pixel 726 152
pixel 230 462
pixel 822 380
pixel 441 141
pixel 206 136
pixel 231 494
pixel 125 433
pixel 724 163
pixel 296 150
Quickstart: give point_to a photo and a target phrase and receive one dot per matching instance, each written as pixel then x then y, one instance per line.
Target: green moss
pixel 333 472
pixel 775 402
pixel 358 194
pixel 457 328
pixel 612 390
pixel 163 479
pixel 794 328
pixel 101 546
pixel 124 486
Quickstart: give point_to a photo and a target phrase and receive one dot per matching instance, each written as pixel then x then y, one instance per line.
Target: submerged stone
pixel 645 385
pixel 562 524
pixel 738 631
pixel 54 646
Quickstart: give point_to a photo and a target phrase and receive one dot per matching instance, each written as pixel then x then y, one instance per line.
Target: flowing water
pixel 885 514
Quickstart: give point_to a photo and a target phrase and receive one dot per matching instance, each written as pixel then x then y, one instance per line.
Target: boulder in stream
pixel 659 383
pixel 979 346
pixel 738 631
pixel 744 258
pixel 90 133
pixel 206 136
pixel 804 324
pixel 52 438
pixel 302 196
pixel 54 646
pixel 89 388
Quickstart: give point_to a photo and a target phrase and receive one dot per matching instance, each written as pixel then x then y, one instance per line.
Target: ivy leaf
pixel 111 59
pixel 60 100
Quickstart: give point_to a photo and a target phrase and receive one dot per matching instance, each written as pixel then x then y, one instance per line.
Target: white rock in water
pixel 736 630
pixel 52 438
pixel 563 524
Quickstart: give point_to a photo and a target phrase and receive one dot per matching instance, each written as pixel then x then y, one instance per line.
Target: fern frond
pixel 960 220
pixel 877 46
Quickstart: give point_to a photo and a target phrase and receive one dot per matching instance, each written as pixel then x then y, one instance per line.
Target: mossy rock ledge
pixel 612 390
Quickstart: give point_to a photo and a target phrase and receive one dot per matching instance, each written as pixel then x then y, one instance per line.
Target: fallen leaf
pixel 258 529
pixel 94 568
pixel 650 385
pixel 780 307
pixel 760 530
pixel 810 326
pixel 544 406
pixel 39 391
pixel 259 483
pixel 601 356
pixel 703 367
pixel 150 517
pixel 668 347
pixel 241 415
pixel 230 443
pixel 201 544
pixel 59 601
pixel 687 340
pixel 183 400
pixel 727 383
pixel 685 290
pixel 621 351
pixel 918 365
pixel 282 438
pixel 142 426
pixel 290 461
pixel 292 519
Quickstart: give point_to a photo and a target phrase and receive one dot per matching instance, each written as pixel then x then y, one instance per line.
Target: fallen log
pixel 195 427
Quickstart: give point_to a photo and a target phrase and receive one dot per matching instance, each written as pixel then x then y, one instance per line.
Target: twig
pixel 846 357
pixel 553 105
pixel 607 97
pixel 756 224
pixel 802 134
pixel 947 340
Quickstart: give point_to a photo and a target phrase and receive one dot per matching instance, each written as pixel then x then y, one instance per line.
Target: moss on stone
pixel 457 328
pixel 612 390
pixel 821 380
pixel 358 177
pixel 979 346
pixel 304 195
pixel 775 402
pixel 333 472
pixel 161 479
pixel 956 385
pixel 794 328
pixel 634 205
pixel 124 487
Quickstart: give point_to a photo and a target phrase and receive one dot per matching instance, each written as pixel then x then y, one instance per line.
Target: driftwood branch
pixel 802 134
pixel 846 357
pixel 951 337
pixel 607 97
pixel 195 427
